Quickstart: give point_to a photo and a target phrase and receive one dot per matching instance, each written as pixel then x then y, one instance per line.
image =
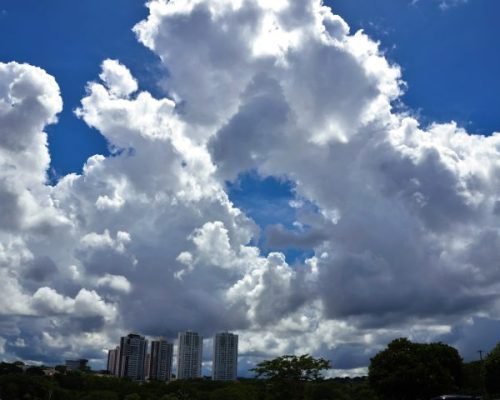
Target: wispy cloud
pixel 447 4
pixel 443 4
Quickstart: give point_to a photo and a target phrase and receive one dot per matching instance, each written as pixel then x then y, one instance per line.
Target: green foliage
pixel 89 387
pixel 132 396
pixel 187 389
pixel 15 387
pixel 492 371
pixel 473 378
pixel 408 371
pixel 287 375
pixel 61 369
pixel 326 390
pixel 169 397
pixel 71 381
pixel 35 371
pixel 235 391
pixel 403 371
pixel 339 389
pixel 292 368
pixel 7 368
pixel 103 395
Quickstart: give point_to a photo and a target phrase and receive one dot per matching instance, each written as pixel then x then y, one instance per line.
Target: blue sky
pixel 450 57
pixel 70 39
pixel 384 213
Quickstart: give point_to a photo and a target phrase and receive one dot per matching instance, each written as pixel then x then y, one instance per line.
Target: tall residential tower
pixel 132 357
pixel 225 357
pixel 160 360
pixel 113 360
pixel 190 350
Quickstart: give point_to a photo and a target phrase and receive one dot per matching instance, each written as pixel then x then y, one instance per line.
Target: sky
pixel 318 177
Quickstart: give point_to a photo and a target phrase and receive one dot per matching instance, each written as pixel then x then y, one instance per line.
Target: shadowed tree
pixel 35 371
pixel 7 368
pixel 132 396
pixel 235 391
pixel 292 368
pixel 411 371
pixel 288 374
pixel 101 395
pixel 492 371
pixel 473 377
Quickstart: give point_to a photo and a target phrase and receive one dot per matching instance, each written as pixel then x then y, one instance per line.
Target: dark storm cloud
pixel 349 356
pixel 41 269
pixel 474 335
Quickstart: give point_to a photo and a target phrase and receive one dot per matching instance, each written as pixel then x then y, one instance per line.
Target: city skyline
pixel 157 355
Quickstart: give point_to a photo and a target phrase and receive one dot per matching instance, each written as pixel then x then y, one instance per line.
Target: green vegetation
pixel 85 386
pixel 403 371
pixel 492 371
pixel 292 368
pixel 287 375
pixel 412 371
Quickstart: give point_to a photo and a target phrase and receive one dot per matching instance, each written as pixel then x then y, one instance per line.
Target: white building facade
pixel 189 356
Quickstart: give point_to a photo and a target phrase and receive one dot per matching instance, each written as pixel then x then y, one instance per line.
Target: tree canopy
pixel 292 368
pixel 288 375
pixel 404 370
pixel 410 371
pixel 492 371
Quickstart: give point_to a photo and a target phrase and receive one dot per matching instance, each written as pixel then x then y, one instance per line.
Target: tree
pixel 101 395
pixel 292 368
pixel 410 371
pixel 20 386
pixel 62 369
pixel 169 397
pixel 473 377
pixel 133 396
pixel 235 391
pixel 492 371
pixel 38 371
pixel 7 368
pixel 288 374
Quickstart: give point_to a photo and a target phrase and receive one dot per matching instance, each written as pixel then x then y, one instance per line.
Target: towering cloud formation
pixel 402 219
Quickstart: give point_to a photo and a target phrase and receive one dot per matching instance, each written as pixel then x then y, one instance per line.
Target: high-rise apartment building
pixel 113 360
pixel 147 362
pixel 160 360
pixel 225 357
pixel 189 357
pixel 132 357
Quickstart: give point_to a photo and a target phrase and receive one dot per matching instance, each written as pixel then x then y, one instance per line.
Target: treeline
pixel 402 371
pixel 87 386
